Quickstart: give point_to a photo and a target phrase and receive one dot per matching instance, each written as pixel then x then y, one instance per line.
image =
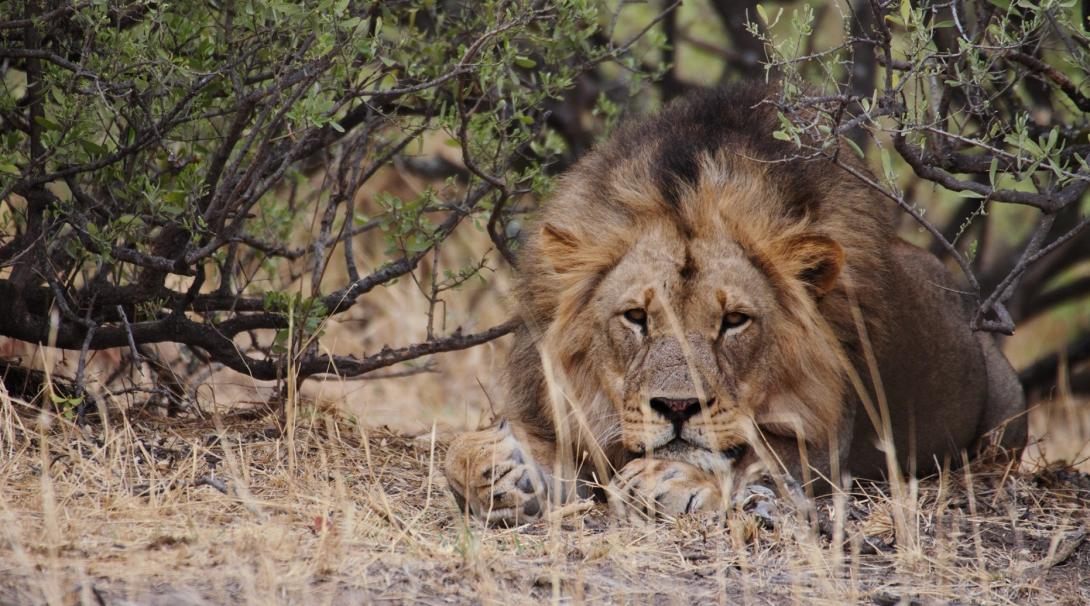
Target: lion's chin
pixel 708 460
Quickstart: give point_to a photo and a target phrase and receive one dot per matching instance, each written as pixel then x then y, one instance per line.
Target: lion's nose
pixel 677 410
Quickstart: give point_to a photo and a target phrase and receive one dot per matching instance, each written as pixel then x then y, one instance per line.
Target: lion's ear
pixel 559 247
pixel 814 259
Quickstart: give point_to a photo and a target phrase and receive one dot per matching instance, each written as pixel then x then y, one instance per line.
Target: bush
pixel 155 155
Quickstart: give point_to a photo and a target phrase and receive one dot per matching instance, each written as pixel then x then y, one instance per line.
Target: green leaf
pixel 855 147
pixel 417 243
pixel 525 62
pixel 887 164
pixel 46 123
pixel 91 147
pixel 174 197
pixel 11 169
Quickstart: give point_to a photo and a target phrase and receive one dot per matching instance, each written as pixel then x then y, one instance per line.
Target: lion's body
pixel 699 214
pixel 945 385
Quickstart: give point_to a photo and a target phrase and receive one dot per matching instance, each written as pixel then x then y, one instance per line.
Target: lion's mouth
pixel 680 449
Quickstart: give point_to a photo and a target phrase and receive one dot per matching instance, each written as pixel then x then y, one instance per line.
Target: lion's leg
pixel 816 467
pixel 1004 423
pixel 501 474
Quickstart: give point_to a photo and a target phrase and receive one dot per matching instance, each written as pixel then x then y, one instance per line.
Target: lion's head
pixel 689 282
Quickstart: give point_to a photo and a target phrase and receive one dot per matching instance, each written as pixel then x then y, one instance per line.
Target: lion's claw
pixel 760 501
pixel 493 477
pixel 649 488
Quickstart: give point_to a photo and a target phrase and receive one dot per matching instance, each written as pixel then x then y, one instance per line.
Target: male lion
pixel 697 297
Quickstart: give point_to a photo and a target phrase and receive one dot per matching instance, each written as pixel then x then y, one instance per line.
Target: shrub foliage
pixel 156 156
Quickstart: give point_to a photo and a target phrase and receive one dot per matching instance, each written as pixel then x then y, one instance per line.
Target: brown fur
pixel 697 215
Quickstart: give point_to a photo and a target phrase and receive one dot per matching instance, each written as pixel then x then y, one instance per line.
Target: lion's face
pixel 697 325
pixel 684 331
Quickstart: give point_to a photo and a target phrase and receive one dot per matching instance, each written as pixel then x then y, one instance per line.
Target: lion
pixel 698 299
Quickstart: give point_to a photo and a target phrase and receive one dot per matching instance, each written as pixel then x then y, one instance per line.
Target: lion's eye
pixel 732 321
pixel 638 317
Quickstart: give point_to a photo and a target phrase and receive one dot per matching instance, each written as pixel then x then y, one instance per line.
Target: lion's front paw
pixel 760 501
pixel 492 474
pixel 647 488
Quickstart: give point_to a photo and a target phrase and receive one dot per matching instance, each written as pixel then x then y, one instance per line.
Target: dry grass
pixel 226 505
pixel 155 511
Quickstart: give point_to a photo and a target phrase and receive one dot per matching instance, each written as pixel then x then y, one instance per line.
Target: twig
pixel 428 367
pixel 216 483
pixel 1066 547
pixel 81 369
pixel 571 509
pixel 136 359
pixel 1066 85
pixel 387 357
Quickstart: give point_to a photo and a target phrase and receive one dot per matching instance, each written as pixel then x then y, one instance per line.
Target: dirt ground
pixel 233 509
